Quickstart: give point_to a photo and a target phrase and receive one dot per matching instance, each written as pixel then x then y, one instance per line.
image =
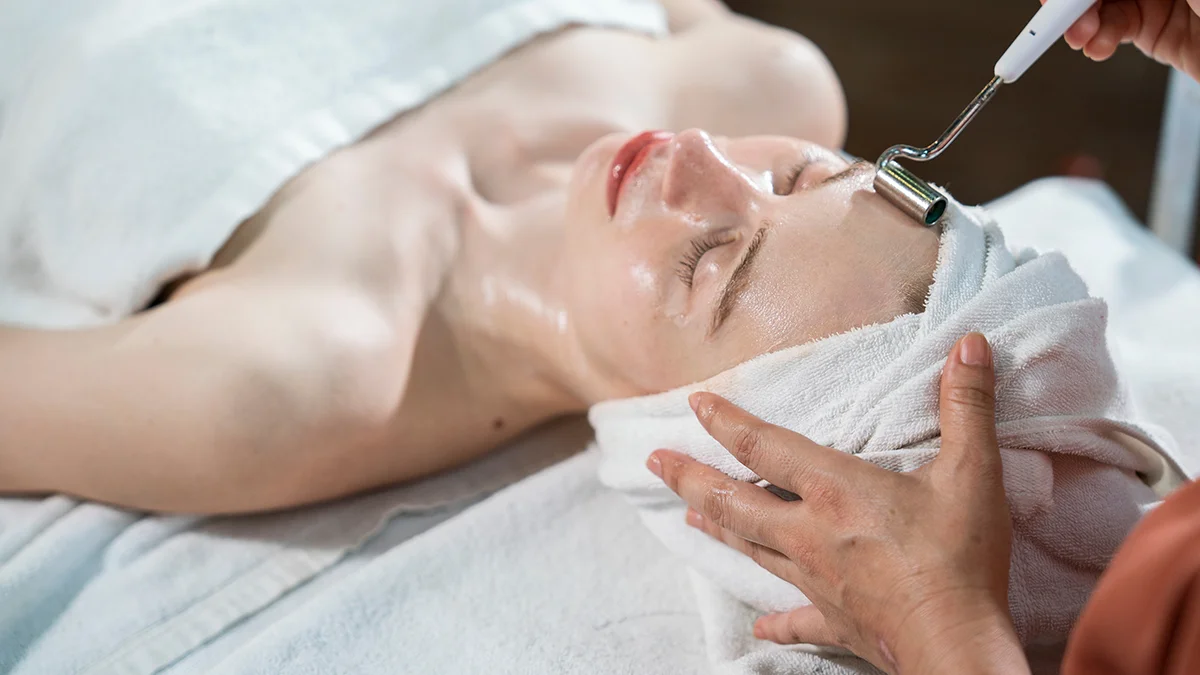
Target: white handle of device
pixel 1043 30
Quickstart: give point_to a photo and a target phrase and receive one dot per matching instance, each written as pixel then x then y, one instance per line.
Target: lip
pixel 628 160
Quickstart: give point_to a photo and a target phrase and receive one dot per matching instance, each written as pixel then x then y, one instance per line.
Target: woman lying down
pixel 520 248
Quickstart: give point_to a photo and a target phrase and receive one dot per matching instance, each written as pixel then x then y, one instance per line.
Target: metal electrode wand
pixel 914 196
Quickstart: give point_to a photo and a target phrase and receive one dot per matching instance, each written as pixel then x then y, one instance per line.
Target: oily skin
pixel 831 255
pixel 432 297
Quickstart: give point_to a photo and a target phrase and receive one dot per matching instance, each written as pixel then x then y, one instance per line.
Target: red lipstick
pixel 627 161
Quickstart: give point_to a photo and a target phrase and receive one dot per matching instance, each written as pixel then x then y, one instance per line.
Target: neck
pixel 509 325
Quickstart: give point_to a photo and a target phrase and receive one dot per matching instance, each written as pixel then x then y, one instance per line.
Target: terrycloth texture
pixel 522 582
pixel 143 131
pixel 90 589
pixel 1153 295
pixel 1069 468
pixel 548 577
pixel 541 556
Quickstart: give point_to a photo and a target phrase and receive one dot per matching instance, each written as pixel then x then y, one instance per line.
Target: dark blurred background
pixel 910 67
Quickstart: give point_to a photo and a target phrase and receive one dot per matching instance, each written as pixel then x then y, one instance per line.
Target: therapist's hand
pixel 909 571
pixel 1166 30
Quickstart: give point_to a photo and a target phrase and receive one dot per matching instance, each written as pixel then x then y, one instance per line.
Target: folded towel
pixel 1077 473
pixel 1153 295
pixel 145 131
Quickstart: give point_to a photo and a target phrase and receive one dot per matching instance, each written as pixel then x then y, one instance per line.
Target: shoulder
pixel 380 216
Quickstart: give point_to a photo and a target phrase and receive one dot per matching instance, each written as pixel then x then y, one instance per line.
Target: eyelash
pixel 793 176
pixel 691 260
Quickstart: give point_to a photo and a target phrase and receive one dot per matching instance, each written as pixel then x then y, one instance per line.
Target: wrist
pixel 981 641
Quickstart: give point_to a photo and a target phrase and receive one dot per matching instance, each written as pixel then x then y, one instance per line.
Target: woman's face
pixel 686 255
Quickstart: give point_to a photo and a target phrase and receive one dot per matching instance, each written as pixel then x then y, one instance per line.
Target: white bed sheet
pixel 556 575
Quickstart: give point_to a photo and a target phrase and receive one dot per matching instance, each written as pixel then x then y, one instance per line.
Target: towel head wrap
pixel 1076 471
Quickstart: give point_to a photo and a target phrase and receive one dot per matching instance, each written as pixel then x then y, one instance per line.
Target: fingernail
pixel 694 401
pixel 695 519
pixel 758 631
pixel 654 464
pixel 975 351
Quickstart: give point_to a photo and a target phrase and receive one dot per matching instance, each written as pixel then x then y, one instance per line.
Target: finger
pixel 805 625
pixel 1115 27
pixel 1083 30
pixel 783 457
pixel 767 558
pixel 968 405
pixel 743 508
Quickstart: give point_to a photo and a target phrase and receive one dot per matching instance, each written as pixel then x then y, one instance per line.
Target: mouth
pixel 628 160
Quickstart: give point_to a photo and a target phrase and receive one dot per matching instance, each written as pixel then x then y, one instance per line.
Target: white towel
pixel 142 132
pixel 137 134
pixel 1077 475
pixel 1153 295
pixel 570 581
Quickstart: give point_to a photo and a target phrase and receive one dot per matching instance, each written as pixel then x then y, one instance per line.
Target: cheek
pixel 828 292
pixel 773 314
pixel 618 310
pixel 803 290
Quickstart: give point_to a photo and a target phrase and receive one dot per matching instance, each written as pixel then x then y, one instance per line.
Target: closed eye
pixel 836 173
pixel 686 270
pixel 793 177
pixel 738 282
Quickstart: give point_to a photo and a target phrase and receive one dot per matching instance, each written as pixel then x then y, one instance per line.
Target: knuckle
pixel 821 490
pixel 800 553
pixel 972 399
pixel 716 505
pixel 755 552
pixel 805 559
pixel 747 443
pixel 794 629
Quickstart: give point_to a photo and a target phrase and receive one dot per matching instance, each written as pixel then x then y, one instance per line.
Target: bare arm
pixel 190 407
pixel 236 395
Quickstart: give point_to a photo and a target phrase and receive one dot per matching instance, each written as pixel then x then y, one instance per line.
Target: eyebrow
pixel 852 171
pixel 738 281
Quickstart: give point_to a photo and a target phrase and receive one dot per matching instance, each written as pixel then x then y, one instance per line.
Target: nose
pixel 699 177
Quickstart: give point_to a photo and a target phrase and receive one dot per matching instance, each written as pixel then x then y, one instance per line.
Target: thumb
pixel 805 625
pixel 968 404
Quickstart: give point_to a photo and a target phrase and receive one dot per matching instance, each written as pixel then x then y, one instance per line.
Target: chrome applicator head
pixel 909 193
